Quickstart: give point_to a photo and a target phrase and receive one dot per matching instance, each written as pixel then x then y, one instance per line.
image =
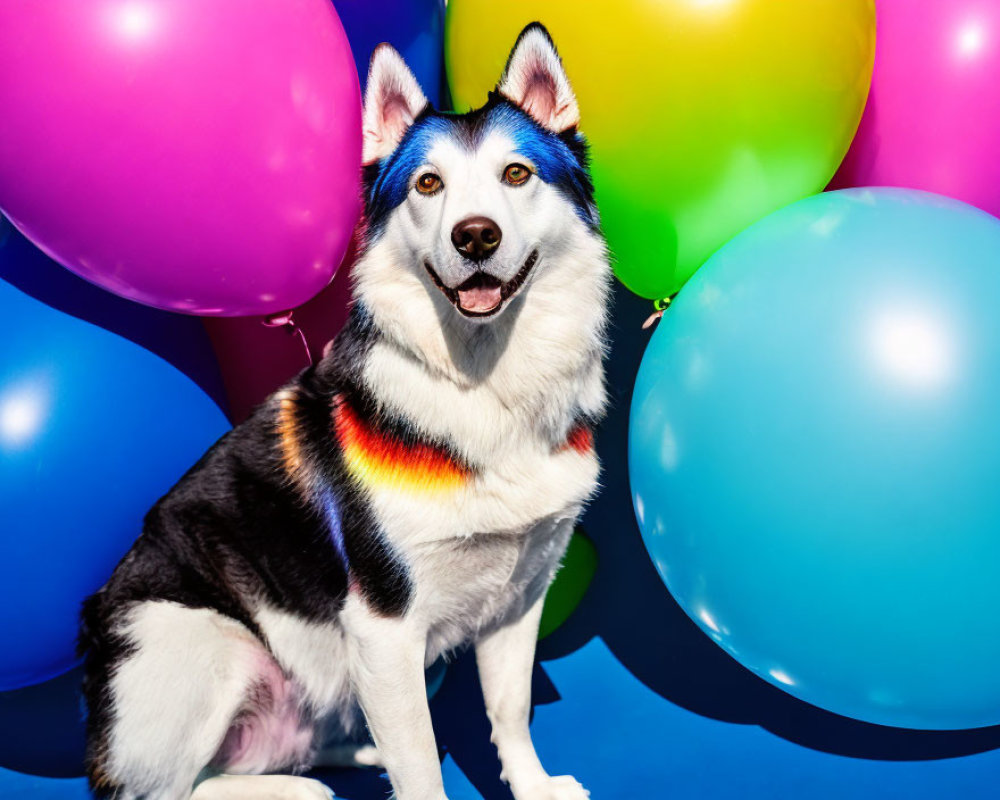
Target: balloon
pixel 414 27
pixel 197 157
pixel 814 446
pixel 933 116
pixel 93 429
pixel 180 340
pixel 702 116
pixel 570 584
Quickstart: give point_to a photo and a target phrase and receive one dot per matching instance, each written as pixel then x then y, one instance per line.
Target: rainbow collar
pixel 379 459
pixel 387 456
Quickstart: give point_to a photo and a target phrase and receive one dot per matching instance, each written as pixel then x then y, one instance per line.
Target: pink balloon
pixel 933 115
pixel 196 155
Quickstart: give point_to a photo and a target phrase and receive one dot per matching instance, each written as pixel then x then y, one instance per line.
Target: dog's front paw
pixel 560 787
pixel 261 787
pixel 293 788
pixel 315 789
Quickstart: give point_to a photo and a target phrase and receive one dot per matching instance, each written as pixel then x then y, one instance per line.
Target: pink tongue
pixel 479 299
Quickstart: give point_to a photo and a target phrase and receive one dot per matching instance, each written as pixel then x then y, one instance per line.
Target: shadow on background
pixel 41 728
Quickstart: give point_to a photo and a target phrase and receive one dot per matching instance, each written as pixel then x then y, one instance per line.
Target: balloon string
pixel 284 320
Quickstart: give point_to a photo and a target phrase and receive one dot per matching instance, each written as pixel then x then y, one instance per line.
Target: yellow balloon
pixel 703 115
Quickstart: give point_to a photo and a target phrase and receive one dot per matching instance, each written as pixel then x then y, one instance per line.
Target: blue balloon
pixel 814 453
pixel 180 339
pixel 93 429
pixel 414 27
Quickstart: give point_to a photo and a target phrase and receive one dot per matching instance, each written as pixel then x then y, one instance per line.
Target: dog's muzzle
pixel 482 294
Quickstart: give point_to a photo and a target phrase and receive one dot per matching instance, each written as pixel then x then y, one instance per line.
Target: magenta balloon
pixel 933 115
pixel 194 155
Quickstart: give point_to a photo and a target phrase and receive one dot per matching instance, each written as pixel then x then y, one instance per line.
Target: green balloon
pixel 703 117
pixel 571 583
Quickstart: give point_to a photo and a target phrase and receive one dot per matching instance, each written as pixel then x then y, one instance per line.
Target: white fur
pixel 505 659
pixel 528 369
pixel 316 655
pixel 261 787
pixel 169 726
pixel 387 669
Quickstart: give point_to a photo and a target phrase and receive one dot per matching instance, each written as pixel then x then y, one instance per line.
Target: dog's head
pixel 476 208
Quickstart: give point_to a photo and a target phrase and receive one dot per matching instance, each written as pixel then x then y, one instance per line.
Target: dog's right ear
pixel 393 100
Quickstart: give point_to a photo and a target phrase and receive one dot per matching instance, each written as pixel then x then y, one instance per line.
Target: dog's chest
pixel 466 587
pixel 479 499
pixel 509 497
pixel 480 547
pixel 492 458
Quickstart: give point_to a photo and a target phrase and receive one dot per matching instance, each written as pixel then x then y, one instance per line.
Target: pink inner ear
pixel 396 114
pixel 540 92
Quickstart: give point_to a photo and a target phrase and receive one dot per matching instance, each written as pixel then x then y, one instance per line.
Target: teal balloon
pixel 814 454
pixel 93 429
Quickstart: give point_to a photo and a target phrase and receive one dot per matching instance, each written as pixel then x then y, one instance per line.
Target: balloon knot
pixel 660 306
pixel 283 319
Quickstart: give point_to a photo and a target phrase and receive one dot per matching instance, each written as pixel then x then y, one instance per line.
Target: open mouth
pixel 482 295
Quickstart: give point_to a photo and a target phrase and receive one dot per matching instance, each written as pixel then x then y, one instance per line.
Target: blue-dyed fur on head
pixel 560 158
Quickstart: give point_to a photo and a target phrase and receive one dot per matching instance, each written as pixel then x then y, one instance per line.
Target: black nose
pixel 476 237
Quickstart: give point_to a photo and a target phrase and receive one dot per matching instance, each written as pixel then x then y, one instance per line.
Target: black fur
pixel 236 527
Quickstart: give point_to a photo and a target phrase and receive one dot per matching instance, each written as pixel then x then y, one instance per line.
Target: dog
pixel 410 494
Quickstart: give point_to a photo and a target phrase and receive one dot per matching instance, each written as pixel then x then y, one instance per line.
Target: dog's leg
pixel 505 658
pixel 261 787
pixel 387 670
pixel 192 687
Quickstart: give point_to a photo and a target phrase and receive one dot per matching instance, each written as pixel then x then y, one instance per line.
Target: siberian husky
pixel 412 493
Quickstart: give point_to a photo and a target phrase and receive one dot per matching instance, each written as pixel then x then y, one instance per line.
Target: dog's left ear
pixel 393 100
pixel 535 80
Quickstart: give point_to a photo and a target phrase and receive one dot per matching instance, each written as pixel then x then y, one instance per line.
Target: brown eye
pixel 428 183
pixel 516 174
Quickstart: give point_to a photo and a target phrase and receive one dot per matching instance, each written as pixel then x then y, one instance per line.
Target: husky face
pixel 476 206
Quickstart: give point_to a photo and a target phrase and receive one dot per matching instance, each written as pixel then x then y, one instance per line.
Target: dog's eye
pixel 428 183
pixel 516 174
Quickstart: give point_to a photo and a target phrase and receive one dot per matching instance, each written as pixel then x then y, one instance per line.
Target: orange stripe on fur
pixel 287 428
pixel 580 438
pixel 378 460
